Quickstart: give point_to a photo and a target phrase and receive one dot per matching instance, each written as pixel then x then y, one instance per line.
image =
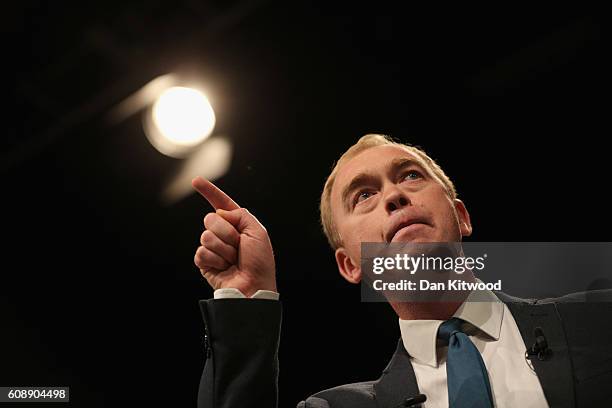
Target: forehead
pixel 371 160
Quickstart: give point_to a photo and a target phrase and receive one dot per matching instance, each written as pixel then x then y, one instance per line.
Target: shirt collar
pixel 419 336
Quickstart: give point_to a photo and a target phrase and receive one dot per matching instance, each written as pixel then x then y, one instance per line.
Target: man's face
pixel 386 194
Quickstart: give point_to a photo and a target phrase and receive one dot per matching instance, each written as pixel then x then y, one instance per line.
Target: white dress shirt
pixel 492 329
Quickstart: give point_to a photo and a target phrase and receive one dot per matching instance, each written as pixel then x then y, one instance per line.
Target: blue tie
pixel 468 381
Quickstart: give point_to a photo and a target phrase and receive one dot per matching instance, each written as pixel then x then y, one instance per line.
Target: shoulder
pixel 582 308
pixel 356 395
pixel 592 296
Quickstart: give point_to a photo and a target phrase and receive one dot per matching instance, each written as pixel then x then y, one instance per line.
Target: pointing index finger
pixel 214 195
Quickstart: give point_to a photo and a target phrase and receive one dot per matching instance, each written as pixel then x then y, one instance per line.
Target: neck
pixel 432 310
pixel 425 310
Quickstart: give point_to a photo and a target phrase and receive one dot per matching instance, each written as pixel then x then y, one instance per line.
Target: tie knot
pixel 448 328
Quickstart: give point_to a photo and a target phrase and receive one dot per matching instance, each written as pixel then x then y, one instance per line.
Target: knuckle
pixel 204 254
pixel 197 258
pixel 209 219
pixel 207 237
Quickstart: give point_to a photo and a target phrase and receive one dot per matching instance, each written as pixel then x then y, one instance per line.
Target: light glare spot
pixel 184 116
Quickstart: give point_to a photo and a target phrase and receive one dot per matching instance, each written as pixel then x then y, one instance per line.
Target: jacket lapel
pixel 398 381
pixel 555 372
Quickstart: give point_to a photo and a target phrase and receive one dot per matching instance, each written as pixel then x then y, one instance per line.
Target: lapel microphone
pixel 412 401
pixel 540 347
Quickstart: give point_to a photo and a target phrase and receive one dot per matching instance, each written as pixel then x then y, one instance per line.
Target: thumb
pixel 241 219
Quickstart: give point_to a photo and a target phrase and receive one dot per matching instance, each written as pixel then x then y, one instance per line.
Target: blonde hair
pixel 366 142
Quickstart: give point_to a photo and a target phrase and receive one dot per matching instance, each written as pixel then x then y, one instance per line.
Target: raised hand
pixel 235 250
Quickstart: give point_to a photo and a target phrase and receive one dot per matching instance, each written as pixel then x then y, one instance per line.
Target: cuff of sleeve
pixel 233 293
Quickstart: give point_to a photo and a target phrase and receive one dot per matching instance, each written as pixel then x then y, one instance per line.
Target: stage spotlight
pixel 180 119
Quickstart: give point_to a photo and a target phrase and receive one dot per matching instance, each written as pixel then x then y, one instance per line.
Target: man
pixel 455 353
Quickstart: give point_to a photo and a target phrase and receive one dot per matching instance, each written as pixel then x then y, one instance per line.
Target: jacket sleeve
pixel 241 369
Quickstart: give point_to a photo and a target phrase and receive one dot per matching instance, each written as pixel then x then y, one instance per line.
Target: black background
pixel 98 289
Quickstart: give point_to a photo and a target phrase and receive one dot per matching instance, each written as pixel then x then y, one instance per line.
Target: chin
pixel 419 240
pixel 414 233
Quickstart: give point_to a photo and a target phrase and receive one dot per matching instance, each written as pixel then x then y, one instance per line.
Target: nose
pixel 395 200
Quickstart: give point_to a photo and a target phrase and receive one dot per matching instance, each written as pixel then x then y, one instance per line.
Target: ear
pixel 465 225
pixel 347 268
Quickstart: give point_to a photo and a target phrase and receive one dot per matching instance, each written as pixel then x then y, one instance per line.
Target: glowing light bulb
pixel 183 116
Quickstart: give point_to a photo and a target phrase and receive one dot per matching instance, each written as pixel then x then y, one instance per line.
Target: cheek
pixel 364 230
pixel 450 225
pixel 370 230
pixel 442 212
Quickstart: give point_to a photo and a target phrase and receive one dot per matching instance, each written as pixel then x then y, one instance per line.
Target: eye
pixel 362 196
pixel 412 175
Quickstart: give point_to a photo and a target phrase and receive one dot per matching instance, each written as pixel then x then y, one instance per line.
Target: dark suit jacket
pixel 242 335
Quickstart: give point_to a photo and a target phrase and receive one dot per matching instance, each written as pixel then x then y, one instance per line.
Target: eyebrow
pixel 369 178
